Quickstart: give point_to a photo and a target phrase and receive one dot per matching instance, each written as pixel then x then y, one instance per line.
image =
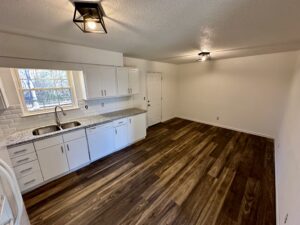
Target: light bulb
pixel 91 25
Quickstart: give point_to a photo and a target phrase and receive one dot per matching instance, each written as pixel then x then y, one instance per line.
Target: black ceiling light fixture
pixel 88 16
pixel 204 56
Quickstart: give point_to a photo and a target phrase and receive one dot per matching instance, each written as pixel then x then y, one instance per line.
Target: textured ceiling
pixel 166 30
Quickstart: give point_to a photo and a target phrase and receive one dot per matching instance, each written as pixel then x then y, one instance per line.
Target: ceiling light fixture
pixel 88 16
pixel 204 56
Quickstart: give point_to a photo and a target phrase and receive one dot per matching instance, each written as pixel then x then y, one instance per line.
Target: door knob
pixel 149 105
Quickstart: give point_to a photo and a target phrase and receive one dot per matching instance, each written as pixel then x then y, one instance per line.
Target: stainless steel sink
pixel 70 125
pixel 46 130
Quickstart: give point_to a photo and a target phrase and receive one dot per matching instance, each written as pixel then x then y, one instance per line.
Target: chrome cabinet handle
pixel 29 182
pixel 62 149
pixel 20 151
pixel 116 131
pixel 68 147
pixel 105 92
pixel 128 90
pixel 129 120
pixel 101 92
pixel 26 170
pixel 23 160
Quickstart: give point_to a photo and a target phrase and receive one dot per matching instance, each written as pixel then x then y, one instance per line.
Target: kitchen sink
pixel 46 130
pixel 70 125
pixel 54 128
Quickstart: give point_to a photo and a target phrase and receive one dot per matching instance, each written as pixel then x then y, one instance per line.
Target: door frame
pixel 161 91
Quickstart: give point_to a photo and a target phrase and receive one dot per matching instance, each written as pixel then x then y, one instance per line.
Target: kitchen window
pixel 40 90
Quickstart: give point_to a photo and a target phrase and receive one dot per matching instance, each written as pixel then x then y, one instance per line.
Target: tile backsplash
pixel 11 120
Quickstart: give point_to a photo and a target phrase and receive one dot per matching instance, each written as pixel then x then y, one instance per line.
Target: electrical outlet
pixel 286 218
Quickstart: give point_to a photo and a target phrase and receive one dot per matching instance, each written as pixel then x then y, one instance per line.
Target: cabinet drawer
pixel 27 168
pixel 30 181
pixel 20 150
pixel 74 135
pixel 23 159
pixel 120 122
pixel 48 142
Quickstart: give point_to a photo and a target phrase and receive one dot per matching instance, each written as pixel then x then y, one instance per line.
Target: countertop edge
pixel 113 118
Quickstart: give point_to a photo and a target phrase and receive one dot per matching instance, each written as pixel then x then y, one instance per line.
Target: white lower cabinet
pixel 30 181
pixel 136 128
pixel 100 140
pixel 121 136
pixel 53 161
pixel 26 166
pixel 51 157
pixel 77 153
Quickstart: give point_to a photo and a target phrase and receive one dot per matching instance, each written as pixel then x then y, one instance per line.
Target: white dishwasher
pixel 101 140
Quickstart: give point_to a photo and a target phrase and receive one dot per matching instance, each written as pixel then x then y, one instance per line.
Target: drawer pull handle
pixel 29 182
pixel 26 170
pixel 23 160
pixel 20 151
pixel 120 122
pixel 68 147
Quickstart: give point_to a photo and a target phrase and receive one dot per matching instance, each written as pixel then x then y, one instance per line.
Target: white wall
pixel 169 84
pixel 247 93
pixel 15 48
pixel 288 156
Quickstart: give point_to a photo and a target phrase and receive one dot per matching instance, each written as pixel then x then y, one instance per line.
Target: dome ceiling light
pixel 88 16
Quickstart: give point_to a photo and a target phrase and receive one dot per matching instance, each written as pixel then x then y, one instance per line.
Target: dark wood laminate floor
pixel 183 173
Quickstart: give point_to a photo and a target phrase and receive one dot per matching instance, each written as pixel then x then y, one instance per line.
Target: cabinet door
pixel 108 81
pixel 77 153
pixel 136 128
pixel 121 137
pixel 101 141
pixel 92 79
pixel 122 80
pixel 53 161
pixel 134 81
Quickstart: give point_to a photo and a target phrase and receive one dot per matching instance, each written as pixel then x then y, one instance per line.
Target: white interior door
pixel 154 94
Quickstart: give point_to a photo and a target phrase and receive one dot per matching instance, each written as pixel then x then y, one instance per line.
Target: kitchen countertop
pixel 24 136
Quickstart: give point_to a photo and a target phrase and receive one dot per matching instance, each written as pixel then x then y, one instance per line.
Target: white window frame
pixel 27 112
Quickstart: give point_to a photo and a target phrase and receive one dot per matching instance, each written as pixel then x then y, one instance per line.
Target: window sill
pixel 26 114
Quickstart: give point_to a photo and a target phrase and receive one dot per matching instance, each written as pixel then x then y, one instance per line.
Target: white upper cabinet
pixel 123 81
pixel 108 81
pixel 134 80
pixel 100 81
pixel 105 81
pixel 128 80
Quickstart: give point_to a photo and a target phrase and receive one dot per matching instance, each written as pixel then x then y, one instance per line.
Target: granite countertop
pixel 24 136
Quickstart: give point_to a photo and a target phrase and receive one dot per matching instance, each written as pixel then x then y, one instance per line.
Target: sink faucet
pixel 56 115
